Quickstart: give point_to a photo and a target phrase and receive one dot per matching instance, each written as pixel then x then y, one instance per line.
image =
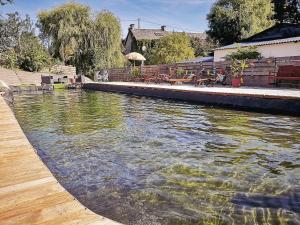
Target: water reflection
pixel 146 161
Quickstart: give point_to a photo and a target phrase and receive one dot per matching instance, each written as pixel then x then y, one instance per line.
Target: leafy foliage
pixel 33 56
pixel 232 20
pixel 78 40
pixel 11 29
pixel 202 47
pixel 135 72
pixel 18 45
pixel 180 71
pixel 238 67
pixel 287 11
pixel 64 28
pixel 150 46
pixel 9 59
pixel 107 41
pixel 244 54
pixel 4 2
pixel 173 48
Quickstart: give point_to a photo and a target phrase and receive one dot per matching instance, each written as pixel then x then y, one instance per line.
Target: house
pixel 281 40
pixel 137 38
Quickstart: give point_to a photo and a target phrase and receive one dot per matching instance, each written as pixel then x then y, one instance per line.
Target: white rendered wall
pixel 267 51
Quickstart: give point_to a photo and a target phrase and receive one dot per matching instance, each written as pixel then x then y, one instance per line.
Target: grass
pixel 59 86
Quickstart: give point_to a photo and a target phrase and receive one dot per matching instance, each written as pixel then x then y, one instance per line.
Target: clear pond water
pixel 150 161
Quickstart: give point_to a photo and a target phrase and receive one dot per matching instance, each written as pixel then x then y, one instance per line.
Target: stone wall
pixel 257 75
pixel 69 71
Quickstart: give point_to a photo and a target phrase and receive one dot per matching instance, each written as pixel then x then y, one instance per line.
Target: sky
pixel 179 15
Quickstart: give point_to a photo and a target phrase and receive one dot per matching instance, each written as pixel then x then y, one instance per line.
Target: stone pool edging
pixel 29 192
pixel 261 102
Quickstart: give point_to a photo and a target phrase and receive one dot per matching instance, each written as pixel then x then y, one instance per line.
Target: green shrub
pixel 9 59
pixel 244 54
pixel 180 71
pixel 33 56
pixel 174 47
pixel 136 72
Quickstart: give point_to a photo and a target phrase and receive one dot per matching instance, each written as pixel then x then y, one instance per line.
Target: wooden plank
pixel 29 193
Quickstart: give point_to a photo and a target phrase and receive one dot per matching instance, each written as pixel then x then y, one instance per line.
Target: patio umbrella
pixel 135 56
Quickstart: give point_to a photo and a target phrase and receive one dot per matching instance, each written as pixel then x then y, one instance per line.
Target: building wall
pixel 267 51
pixel 129 43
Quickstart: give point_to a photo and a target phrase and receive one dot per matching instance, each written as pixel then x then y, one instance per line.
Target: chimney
pixel 131 26
pixel 163 28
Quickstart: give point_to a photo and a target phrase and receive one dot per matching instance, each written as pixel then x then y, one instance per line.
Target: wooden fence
pixel 256 75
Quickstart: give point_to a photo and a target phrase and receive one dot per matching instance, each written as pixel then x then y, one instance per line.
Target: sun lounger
pixel 220 78
pixel 186 79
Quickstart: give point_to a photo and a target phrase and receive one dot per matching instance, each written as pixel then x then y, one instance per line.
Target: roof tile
pixel 154 34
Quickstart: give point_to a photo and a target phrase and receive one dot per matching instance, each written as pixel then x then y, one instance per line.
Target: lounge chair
pixel 220 78
pixel 186 79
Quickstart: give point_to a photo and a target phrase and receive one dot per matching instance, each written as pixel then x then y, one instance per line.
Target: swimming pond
pixel 149 161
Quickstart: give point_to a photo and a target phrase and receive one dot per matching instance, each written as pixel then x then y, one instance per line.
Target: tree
pixel 11 29
pixel 64 28
pixel 76 39
pixel 230 21
pixel 286 11
pixel 33 55
pixel 147 52
pixel 4 2
pixel 107 41
pixel 9 59
pixel 173 48
pixel 19 47
pixel 202 47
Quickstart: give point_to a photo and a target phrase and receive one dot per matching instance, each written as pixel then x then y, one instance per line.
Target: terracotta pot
pixel 236 82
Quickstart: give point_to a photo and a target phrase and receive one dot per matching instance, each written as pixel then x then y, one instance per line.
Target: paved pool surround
pixel 286 101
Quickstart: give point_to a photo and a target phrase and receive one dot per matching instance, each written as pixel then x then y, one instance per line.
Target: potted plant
pixel 239 63
pixel 180 72
pixel 237 69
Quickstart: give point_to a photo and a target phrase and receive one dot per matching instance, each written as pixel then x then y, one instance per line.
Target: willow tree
pixel 232 20
pixel 65 29
pixel 107 41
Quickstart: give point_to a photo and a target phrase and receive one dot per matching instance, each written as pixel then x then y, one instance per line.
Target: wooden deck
pixel 29 194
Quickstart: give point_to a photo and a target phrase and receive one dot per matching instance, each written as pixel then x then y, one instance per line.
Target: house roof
pixel 255 43
pixel 278 31
pixel 154 34
pixel 278 34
